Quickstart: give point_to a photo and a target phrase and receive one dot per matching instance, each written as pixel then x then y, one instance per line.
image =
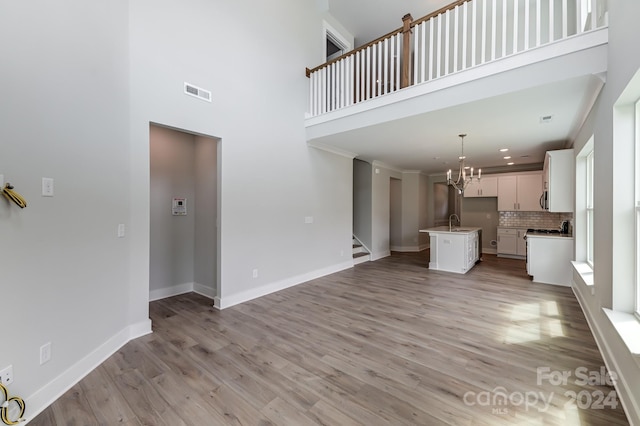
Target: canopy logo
pixel 500 400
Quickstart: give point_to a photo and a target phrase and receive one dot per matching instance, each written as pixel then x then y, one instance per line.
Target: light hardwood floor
pixel 387 342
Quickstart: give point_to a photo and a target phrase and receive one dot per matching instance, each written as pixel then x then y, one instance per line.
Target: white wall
pixel 482 212
pixel 205 266
pixel 172 238
pixel 423 210
pixel 414 212
pixel 362 194
pixel 64 114
pixel 380 209
pixel 270 179
pixel 396 213
pixel 81 82
pixel 612 199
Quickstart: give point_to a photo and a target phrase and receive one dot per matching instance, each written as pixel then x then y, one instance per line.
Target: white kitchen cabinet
pixel 453 251
pixel 511 242
pixel 558 178
pixel 549 259
pixel 520 192
pixel 485 187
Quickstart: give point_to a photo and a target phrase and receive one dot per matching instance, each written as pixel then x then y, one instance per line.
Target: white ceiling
pixel 370 19
pixel 429 142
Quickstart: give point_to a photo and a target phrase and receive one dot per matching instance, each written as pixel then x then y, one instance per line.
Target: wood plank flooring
pixel 385 343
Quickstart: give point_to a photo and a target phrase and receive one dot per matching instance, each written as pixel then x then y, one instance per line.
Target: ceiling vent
pixel 546 119
pixel 199 93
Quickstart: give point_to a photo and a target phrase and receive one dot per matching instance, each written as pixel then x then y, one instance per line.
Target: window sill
pixel 628 327
pixel 583 274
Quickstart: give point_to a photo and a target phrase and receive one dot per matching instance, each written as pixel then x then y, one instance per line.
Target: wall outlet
pixel 45 353
pixel 47 187
pixel 6 375
pixel 255 273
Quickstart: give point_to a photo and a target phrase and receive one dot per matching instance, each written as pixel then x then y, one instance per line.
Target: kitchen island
pixel 453 249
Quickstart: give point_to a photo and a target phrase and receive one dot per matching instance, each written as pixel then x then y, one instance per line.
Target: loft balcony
pixel 468 51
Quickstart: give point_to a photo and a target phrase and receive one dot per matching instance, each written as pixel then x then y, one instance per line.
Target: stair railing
pixel 464 34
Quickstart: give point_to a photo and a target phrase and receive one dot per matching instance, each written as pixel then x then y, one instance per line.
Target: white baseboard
pixel 204 290
pixel 53 390
pixel 405 249
pixel 163 293
pixel 380 255
pixel 176 290
pixel 488 250
pixel 623 390
pixel 244 296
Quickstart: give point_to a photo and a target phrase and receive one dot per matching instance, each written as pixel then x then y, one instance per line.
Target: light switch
pixel 308 219
pixel 47 187
pixel 121 230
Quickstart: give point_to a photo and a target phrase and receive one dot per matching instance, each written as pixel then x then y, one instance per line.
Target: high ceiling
pixel 429 142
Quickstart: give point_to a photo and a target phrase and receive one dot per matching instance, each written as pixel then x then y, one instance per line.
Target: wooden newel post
pixel 406 50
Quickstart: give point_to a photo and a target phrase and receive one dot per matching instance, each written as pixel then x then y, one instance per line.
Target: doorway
pixel 335 43
pixel 184 252
pixel 395 214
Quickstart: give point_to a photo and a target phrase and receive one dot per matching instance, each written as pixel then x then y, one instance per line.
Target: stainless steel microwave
pixel 544 200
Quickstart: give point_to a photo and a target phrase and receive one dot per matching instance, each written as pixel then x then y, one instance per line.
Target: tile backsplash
pixel 537 220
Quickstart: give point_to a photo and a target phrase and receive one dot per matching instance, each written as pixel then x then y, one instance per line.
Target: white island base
pixel 456 250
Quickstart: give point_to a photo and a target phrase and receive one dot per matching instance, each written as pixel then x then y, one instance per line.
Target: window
pixel 637 212
pixel 589 207
pixel 584 213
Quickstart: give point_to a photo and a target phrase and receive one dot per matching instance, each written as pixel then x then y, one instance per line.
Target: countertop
pixel 545 235
pixel 462 230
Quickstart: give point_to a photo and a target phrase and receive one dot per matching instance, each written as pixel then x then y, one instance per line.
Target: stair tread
pixel 360 254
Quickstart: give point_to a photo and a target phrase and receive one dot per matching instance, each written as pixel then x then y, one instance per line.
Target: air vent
pixel 546 119
pixel 199 93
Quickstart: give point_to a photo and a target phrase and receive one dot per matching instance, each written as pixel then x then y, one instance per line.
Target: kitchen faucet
pixel 451 217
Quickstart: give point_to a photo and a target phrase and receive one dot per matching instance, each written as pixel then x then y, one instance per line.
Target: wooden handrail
pixel 438 12
pixel 400 30
pixel 354 51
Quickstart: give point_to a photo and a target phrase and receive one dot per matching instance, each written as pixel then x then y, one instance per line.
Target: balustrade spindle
pixel 516 17
pixel 504 28
pixel 565 19
pixel 465 26
pixel 552 23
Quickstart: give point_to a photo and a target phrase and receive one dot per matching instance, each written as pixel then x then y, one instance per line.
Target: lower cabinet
pixel 549 259
pixel 454 251
pixel 511 242
pixel 473 250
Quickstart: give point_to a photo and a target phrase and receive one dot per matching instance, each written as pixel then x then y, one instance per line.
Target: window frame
pixel 637 208
pixel 589 207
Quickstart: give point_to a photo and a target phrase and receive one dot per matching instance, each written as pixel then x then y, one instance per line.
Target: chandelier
pixel 463 180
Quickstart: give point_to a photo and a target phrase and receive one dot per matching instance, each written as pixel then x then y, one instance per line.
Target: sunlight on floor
pixel 533 321
pixel 571 418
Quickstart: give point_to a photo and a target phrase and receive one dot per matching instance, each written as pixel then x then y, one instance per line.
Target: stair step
pixel 360 254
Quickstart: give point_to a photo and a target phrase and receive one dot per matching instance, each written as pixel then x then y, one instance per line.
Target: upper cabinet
pixel 520 192
pixel 559 177
pixel 485 187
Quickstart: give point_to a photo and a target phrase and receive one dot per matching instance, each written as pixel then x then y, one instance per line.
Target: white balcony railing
pixel 465 34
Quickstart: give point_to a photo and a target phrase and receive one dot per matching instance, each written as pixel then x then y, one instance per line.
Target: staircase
pixel 360 253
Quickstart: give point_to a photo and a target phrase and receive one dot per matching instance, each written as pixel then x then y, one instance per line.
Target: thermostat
pixel 179 207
